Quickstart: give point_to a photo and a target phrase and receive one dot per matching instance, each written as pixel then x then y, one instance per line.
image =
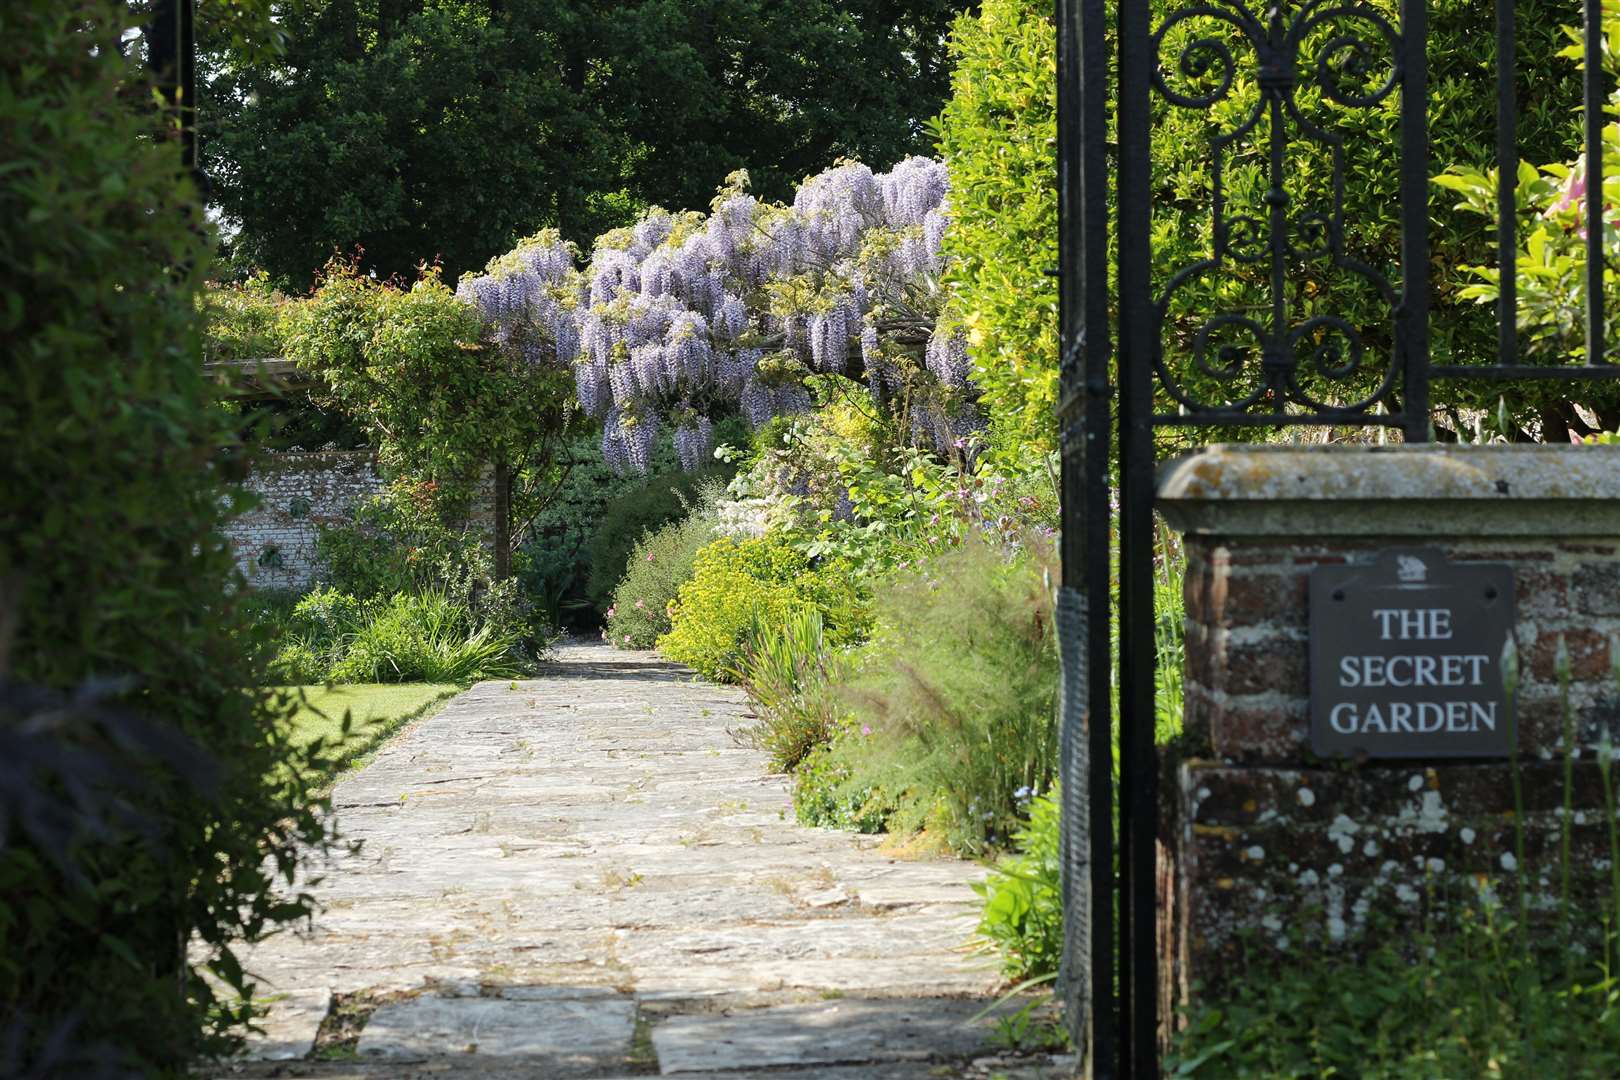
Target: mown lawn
pixel 377 710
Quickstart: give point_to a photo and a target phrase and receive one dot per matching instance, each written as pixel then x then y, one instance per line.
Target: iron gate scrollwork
pixel 1244 334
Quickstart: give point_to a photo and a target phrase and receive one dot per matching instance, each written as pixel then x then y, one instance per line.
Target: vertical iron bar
pixel 1075 842
pixel 1593 87
pixel 1507 184
pixel 1093 57
pixel 1138 818
pixel 1413 323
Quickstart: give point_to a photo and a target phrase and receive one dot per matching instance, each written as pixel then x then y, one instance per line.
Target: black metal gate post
pixel 1085 602
pixel 1139 989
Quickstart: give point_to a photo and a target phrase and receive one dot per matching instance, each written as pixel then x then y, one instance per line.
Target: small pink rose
pixel 649 556
pixel 627 639
pixel 612 611
pixel 865 729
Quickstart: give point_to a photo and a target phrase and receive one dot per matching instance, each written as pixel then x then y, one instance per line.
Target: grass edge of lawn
pixel 367 738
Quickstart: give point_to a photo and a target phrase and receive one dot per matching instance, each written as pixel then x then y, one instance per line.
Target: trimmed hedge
pixel 114 574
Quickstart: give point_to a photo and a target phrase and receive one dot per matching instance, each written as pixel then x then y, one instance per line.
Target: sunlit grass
pixel 376 712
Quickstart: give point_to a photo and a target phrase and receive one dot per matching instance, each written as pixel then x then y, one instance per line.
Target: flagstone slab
pixel 599 827
pixel 289 1025
pixel 821 1033
pixel 569 1028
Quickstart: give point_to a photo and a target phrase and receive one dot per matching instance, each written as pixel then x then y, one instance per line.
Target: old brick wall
pixel 298 492
pixel 1266 845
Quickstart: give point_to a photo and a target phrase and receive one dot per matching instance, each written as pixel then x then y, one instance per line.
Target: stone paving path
pixel 584 875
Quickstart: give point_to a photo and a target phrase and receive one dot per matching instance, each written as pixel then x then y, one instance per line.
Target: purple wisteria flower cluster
pixel 685 315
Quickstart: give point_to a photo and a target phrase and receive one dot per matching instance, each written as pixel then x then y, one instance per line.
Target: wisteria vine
pixel 683 316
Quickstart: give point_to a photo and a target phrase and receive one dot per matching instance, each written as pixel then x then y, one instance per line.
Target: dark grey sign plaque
pixel 1406 657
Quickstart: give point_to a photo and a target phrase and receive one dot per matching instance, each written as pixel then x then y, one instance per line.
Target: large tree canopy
pixel 424 129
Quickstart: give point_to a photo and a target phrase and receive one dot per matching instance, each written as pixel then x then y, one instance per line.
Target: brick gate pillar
pixel 1268 846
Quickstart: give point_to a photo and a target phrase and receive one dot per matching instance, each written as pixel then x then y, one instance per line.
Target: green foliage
pixel 835 485
pixel 1023 897
pixel 443 407
pixel 997 134
pixel 791 675
pixel 242 321
pixel 1469 1001
pixel 737 584
pixel 1550 266
pixel 443 129
pixel 647 506
pixel 394 543
pixel 113 488
pixel 825 794
pixel 659 565
pixel 953 707
pixel 555 563
pixel 426 637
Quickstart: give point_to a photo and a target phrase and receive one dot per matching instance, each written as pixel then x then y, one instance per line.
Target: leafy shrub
pixel 659 565
pixel 242 321
pixel 955 698
pixel 791 674
pixel 652 503
pixel 737 584
pixel 1023 897
pixel 996 135
pixel 832 486
pixel 425 637
pixel 1470 1001
pixel 397 543
pixel 1551 263
pixel 554 565
pixel 113 488
pixel 825 793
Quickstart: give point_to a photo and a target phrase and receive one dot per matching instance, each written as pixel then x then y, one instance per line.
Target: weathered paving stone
pixel 290 1025
pixel 598 827
pixel 820 1033
pixel 430 1026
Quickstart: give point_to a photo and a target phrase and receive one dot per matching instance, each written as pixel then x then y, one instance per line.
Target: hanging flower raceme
pixel 683 316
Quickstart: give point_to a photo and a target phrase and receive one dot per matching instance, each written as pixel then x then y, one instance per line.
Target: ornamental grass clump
pixel 791 673
pixel 954 707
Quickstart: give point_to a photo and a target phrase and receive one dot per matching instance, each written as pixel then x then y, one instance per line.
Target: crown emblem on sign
pixel 1411 568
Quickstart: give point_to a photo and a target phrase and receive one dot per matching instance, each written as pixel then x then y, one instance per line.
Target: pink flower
pixel 627 639
pixel 865 729
pixel 649 556
pixel 641 605
pixel 612 611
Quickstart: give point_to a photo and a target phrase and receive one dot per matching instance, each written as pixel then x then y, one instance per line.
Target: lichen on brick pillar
pixel 1269 844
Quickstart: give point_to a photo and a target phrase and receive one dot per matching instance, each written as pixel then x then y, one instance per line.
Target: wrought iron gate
pixel 1143 343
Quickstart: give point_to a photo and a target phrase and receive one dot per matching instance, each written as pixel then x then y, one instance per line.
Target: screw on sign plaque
pixel 1406 658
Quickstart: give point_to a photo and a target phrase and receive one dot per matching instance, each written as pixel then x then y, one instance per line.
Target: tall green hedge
pixel 112 566
pixel 997 134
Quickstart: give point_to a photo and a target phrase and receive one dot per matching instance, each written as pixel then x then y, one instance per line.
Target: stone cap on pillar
pixel 1393 491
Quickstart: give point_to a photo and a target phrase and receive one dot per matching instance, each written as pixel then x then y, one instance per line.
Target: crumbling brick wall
pixel 298 493
pixel 1265 845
